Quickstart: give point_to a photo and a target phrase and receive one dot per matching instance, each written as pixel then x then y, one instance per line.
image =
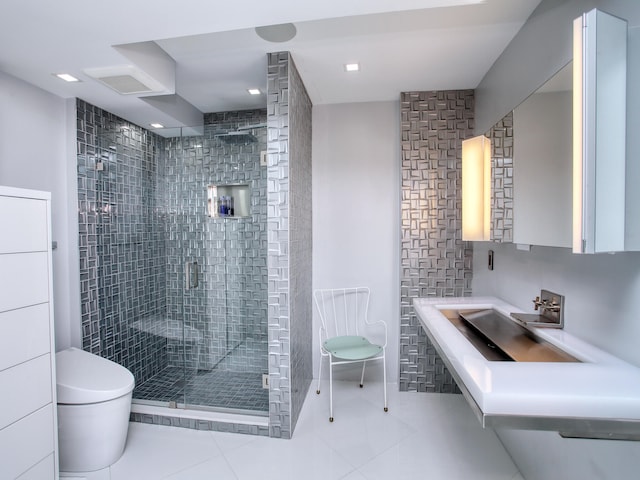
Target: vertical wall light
pixel 577 243
pixel 599 132
pixel 476 189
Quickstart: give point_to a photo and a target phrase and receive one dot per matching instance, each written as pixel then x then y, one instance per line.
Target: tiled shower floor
pixel 213 388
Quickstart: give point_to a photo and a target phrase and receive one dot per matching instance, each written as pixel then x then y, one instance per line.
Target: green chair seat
pixel 351 347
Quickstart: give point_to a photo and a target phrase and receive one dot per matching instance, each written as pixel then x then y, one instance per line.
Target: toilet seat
pixel 84 378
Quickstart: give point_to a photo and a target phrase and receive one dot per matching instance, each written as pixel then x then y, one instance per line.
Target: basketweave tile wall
pixel 501 136
pixel 289 227
pixel 121 239
pixel 434 259
pixel 301 240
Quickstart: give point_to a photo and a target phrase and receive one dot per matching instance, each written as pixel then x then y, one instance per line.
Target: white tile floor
pixel 433 436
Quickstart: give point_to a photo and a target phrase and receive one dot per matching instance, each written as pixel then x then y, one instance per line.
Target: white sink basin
pixel 597 397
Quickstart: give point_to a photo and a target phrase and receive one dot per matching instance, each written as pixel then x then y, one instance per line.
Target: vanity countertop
pixel 600 386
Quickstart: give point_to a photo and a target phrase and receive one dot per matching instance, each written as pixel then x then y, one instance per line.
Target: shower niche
pixel 228 201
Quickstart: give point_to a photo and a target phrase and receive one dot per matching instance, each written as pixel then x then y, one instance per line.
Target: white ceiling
pixel 401 45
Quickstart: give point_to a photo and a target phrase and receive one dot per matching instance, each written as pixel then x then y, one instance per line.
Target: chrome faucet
pixel 551 307
pixel 546 304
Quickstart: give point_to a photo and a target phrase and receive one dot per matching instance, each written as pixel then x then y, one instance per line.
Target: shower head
pixel 241 134
pixel 237 137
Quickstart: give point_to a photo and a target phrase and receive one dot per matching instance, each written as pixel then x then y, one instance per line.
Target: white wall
pixel 356 213
pixel 37 151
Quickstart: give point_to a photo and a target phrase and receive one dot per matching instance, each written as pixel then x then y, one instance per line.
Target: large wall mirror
pixel 542 139
pixel 551 188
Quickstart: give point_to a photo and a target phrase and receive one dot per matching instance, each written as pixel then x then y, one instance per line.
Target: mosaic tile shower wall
pixel 121 238
pixel 301 240
pixel 501 136
pixel 434 259
pixel 288 228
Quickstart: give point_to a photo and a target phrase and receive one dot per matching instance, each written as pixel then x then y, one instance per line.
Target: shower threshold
pixel 219 400
pixel 178 407
pixel 214 389
pixel 200 419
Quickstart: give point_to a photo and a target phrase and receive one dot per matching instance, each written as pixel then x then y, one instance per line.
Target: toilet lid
pixel 82 377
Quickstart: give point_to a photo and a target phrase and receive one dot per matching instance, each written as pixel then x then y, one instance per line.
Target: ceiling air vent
pixel 126 80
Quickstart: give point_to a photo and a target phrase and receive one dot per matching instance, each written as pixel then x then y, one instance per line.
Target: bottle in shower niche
pixel 224 206
pixel 231 209
pixel 214 207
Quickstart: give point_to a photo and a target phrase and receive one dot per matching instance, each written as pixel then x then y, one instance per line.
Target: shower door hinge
pixel 265 381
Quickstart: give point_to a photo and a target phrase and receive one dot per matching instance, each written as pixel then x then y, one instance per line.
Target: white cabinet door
pixel 24 225
pixel 24 334
pixel 24 280
pixel 26 442
pixel 26 388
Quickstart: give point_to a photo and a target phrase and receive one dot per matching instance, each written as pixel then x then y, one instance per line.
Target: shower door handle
pixel 191 274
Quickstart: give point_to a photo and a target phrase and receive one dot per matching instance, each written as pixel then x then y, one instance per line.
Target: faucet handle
pixel 536 303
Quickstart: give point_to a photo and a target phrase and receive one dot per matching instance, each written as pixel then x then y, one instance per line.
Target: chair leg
pixel 330 389
pixel 362 376
pixel 319 375
pixel 384 381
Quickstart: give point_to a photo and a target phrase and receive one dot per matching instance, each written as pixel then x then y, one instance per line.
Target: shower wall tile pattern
pixel 278 233
pixel 501 136
pixel 289 234
pixel 121 240
pixel 434 259
pixel 301 240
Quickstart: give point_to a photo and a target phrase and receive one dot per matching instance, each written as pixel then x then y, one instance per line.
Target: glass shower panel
pixel 179 338
pixel 130 254
pixel 228 308
pixel 182 294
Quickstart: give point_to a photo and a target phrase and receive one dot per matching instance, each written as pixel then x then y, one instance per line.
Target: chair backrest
pixel 343 311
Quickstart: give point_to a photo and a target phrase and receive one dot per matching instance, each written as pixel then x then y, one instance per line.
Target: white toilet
pixel 94 402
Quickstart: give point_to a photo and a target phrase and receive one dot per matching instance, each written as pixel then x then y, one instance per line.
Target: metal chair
pixel 344 333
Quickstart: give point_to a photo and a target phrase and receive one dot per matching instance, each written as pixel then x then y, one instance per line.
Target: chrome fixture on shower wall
pixel 237 137
pixel 241 134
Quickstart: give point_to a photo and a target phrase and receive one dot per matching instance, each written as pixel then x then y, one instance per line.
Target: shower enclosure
pixel 180 286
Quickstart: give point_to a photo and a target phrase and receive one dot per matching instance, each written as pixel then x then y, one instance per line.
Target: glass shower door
pixel 182 295
pixel 225 300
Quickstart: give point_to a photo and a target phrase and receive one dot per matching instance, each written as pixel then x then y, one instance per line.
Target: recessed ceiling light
pixel 66 77
pixel 254 91
pixel 351 67
pixel 157 125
